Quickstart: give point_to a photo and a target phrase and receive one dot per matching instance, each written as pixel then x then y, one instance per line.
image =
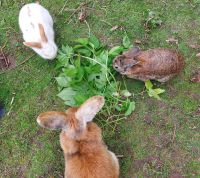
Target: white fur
pixel 116 162
pixel 30 16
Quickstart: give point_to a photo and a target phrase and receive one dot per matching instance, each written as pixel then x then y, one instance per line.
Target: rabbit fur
pixel 154 64
pixel 36 25
pixel 86 155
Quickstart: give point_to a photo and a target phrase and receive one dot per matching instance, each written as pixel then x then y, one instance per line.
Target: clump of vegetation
pixel 153 20
pixel 86 70
pixel 153 92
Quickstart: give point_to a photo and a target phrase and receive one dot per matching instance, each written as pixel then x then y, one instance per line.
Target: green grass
pixel 26 150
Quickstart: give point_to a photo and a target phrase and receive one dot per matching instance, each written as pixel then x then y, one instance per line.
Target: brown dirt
pixel 175 174
pixel 6 62
pixel 196 77
pixel 151 161
pixel 162 141
pixel 21 171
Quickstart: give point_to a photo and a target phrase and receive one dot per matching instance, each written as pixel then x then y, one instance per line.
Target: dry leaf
pixel 114 28
pixel 172 40
pixel 198 55
pixel 137 42
pixel 196 77
pixel 195 46
pixel 82 16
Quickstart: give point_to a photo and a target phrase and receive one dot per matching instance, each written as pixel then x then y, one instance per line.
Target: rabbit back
pixel 97 164
pixel 88 156
pixel 30 16
pixel 160 62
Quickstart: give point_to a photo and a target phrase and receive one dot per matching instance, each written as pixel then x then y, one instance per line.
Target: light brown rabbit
pixel 86 155
pixel 154 64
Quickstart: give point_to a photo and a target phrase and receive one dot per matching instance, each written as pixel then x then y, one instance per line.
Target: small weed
pixel 153 92
pixel 153 20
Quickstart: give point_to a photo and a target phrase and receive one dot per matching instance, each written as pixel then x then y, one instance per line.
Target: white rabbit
pixel 36 25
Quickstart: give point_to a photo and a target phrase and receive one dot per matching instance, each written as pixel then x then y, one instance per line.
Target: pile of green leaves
pixel 86 70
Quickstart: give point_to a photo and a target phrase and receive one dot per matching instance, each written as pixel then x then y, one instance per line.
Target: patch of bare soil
pixel 22 169
pixel 34 141
pixel 196 76
pixel 175 174
pixel 152 161
pixel 6 62
pixel 198 111
pixel 162 141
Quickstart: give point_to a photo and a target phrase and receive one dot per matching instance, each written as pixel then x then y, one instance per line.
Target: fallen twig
pixel 77 9
pixel 120 156
pixel 11 104
pixel 63 7
pixel 25 60
pixel 4 45
pixel 106 22
pixel 6 60
pixel 174 134
pixel 89 31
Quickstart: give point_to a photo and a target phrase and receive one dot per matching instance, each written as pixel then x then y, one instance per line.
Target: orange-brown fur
pixel 33 44
pixel 86 155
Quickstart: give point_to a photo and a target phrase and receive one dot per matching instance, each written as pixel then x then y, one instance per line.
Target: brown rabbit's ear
pixel 87 111
pixel 42 33
pixel 53 120
pixel 132 52
pixel 128 63
pixel 33 44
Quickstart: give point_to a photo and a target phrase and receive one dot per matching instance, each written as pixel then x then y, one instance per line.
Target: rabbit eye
pixel 121 61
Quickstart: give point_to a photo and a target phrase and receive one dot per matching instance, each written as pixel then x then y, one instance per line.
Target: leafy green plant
pixel 86 70
pixel 153 92
pixel 153 20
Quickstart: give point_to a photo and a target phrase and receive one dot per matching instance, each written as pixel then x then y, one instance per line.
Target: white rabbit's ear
pixel 53 120
pixel 87 111
pixel 42 33
pixel 33 44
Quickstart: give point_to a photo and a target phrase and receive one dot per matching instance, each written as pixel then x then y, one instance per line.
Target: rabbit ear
pixel 42 33
pixel 33 44
pixel 87 111
pixel 53 120
pixel 132 52
pixel 130 63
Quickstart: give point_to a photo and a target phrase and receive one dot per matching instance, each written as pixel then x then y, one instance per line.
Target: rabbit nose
pixel 115 65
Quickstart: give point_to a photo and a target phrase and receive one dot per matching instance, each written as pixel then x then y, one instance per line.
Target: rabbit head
pixel 123 63
pixel 46 48
pixel 74 121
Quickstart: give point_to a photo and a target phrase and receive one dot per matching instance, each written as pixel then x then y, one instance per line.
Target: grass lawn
pixel 160 139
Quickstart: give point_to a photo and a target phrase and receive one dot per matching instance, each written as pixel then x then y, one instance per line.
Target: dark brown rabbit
pixel 153 64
